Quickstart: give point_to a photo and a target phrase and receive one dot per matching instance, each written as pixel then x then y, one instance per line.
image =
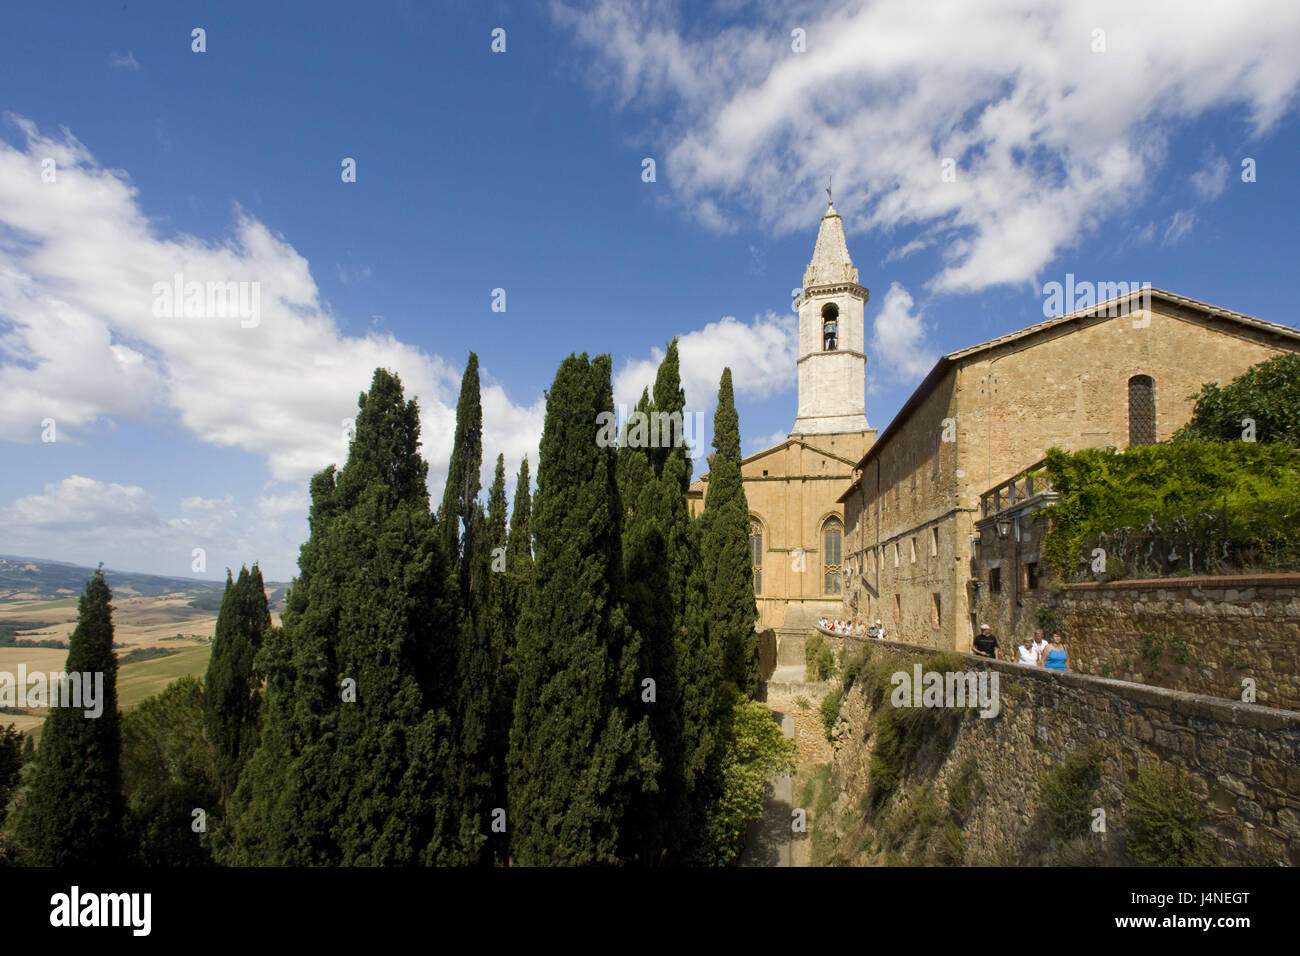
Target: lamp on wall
pixel 1004 527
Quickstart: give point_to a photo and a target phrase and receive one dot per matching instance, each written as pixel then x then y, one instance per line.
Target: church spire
pixel 830 264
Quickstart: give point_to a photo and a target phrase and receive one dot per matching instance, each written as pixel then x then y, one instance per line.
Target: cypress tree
pixel 650 606
pixel 498 630
pixel 461 493
pixel 11 764
pixel 519 550
pixel 728 563
pixel 232 689
pixel 351 765
pixel 74 813
pixel 667 603
pixel 474 769
pixel 633 467
pixel 576 753
pixel 670 404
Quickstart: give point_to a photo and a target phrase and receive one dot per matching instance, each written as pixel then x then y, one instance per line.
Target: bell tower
pixel 832 360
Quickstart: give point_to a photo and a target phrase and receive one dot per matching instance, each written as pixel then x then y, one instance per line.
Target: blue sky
pixel 1114 156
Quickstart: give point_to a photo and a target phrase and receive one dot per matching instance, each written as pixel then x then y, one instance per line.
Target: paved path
pixel 768 841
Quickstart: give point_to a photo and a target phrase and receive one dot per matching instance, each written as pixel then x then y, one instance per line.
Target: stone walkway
pixel 768 841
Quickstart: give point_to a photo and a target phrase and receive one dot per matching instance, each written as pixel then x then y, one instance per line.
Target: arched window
pixel 756 552
pixel 830 327
pixel 1141 410
pixel 832 551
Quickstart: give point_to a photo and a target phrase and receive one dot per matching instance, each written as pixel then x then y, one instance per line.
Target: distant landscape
pixel 163 625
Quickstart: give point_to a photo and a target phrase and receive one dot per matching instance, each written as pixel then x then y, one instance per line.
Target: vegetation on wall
pixel 1170 508
pixel 1165 820
pixel 819 659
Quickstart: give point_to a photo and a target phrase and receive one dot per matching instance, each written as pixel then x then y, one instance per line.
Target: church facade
pixel 796 521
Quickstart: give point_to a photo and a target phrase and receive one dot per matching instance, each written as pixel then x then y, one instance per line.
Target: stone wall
pixel 1201 634
pixel 1242 761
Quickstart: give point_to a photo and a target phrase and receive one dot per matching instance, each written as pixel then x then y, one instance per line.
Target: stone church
pixel 1119 373
pixel 850 524
pixel 796 521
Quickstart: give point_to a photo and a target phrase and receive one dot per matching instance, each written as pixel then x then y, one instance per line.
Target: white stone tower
pixel 832 360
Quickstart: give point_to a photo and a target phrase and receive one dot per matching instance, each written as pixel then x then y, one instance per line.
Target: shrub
pixel 852 667
pixel 952 847
pixel 966 787
pixel 819 659
pixel 1166 821
pixel 1068 792
pixel 830 711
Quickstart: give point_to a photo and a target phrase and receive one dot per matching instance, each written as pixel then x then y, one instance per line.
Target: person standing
pixel 1056 659
pixel 1027 654
pixel 985 644
pixel 1040 647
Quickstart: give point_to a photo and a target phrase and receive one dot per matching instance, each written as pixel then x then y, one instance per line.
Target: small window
pixel 913 480
pixel 935 618
pixel 898 609
pixel 913 550
pixel 1141 410
pixel 1031 577
pixel 756 551
pixel 995 580
pixel 830 327
pixel 896 553
pixel 934 542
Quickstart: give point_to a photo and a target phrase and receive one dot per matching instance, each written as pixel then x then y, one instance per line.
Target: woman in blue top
pixel 1055 657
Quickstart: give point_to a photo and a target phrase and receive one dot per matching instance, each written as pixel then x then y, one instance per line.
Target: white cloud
pixel 1180 225
pixel 763 442
pixel 87 521
pixel 1049 137
pixel 1212 180
pixel 80 343
pixel 125 61
pixel 78 265
pixel 899 351
pixel 760 353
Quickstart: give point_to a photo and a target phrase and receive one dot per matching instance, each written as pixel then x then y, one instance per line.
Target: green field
pixel 143 679
pixel 135 682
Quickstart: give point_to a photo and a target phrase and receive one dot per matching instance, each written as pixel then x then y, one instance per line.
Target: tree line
pixel 569 681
